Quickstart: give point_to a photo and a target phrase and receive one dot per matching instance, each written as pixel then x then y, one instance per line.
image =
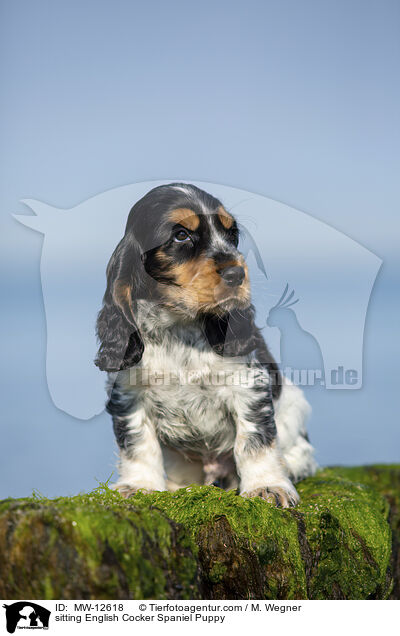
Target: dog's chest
pixel 191 395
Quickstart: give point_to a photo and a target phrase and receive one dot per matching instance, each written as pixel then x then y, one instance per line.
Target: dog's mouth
pixel 217 308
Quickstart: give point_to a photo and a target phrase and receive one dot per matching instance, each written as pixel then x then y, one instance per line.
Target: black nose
pixel 232 276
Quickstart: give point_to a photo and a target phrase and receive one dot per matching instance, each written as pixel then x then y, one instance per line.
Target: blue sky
pixel 296 101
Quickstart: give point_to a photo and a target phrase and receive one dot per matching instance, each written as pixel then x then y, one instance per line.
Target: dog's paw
pixel 281 497
pixel 129 491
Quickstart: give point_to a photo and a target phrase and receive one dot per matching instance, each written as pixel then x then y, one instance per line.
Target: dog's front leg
pixel 259 462
pixel 140 463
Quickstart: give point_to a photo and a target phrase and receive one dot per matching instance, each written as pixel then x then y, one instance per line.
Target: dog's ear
pixel 236 334
pixel 121 345
pixel 233 334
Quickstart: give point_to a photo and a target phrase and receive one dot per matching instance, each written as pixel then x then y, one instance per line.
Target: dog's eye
pixel 181 236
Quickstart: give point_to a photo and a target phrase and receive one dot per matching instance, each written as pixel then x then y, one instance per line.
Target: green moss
pixel 271 533
pixel 217 572
pixel 202 542
pixel 385 479
pixel 336 541
pixel 346 526
pixel 93 546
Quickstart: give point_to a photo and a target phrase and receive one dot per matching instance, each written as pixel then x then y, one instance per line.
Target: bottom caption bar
pixel 109 617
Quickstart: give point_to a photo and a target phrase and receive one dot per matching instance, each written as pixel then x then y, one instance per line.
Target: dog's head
pixel 180 250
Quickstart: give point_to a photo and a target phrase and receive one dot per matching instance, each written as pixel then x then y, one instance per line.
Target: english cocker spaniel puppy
pixel 194 394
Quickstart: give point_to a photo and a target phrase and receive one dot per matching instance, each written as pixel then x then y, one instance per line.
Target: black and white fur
pixel 194 393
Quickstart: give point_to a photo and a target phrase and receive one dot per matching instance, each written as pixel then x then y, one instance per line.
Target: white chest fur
pixel 196 401
pixel 191 394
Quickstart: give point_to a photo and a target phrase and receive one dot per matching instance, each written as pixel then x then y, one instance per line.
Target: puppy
pixel 194 394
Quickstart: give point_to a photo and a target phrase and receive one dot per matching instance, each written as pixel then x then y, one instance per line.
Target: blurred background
pixel 295 102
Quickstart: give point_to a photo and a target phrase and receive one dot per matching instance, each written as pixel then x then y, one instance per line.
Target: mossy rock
pixel 342 541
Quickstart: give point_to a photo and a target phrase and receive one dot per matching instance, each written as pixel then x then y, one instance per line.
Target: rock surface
pixel 341 542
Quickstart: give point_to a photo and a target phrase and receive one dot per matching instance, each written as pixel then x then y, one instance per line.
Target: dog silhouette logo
pixel 26 615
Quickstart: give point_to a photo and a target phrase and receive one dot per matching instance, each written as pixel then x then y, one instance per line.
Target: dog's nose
pixel 233 276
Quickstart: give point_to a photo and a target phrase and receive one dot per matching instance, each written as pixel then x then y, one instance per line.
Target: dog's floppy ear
pixel 121 345
pixel 233 334
pixel 236 334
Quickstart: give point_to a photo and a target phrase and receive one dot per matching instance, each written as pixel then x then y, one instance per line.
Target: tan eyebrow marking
pixel 225 218
pixel 185 217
